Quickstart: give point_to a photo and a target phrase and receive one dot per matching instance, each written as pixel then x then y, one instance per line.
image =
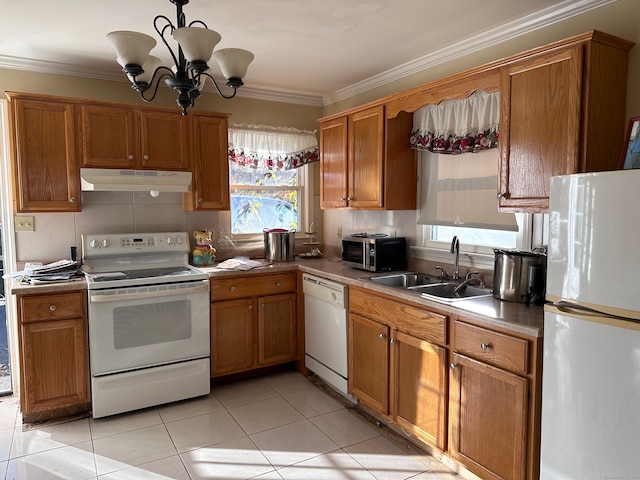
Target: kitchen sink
pixel 431 286
pixel 405 280
pixel 446 291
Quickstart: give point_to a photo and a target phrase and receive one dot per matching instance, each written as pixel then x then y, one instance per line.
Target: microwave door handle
pixel 156 293
pixel 365 258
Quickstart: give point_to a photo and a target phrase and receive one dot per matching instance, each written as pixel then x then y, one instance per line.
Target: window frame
pixel 474 255
pixel 303 206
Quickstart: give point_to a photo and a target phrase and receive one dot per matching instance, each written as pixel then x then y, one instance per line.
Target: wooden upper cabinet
pixel 210 163
pixel 562 112
pixel 366 162
pixel 124 136
pixel 366 152
pixel 164 137
pixel 539 125
pixel 333 166
pixel 43 141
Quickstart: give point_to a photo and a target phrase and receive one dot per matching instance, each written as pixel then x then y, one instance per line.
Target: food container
pixel 279 244
pixel 520 276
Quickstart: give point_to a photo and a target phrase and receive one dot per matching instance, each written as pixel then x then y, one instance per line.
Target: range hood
pixel 117 180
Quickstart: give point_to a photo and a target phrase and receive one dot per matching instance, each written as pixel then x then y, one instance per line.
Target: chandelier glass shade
pixel 195 45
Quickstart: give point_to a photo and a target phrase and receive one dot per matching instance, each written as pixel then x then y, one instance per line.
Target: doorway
pixel 6 332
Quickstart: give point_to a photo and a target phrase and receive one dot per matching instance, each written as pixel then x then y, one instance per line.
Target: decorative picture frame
pixel 631 152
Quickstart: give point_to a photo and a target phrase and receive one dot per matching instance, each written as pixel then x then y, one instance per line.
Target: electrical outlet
pixel 339 232
pixel 24 223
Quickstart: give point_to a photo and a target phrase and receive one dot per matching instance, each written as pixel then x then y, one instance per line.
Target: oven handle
pixel 156 293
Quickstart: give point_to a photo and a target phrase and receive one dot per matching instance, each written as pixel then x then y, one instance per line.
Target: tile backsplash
pixel 108 212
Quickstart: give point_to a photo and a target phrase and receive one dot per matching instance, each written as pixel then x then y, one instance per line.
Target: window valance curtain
pixel 458 126
pixel 273 148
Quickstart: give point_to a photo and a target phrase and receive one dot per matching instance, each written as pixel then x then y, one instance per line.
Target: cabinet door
pixel 110 137
pixel 46 172
pixel 54 360
pixel 232 336
pixel 419 386
pixel 333 163
pixel 488 408
pixel 540 112
pixel 369 362
pixel 164 140
pixel 277 329
pixel 210 187
pixel 366 156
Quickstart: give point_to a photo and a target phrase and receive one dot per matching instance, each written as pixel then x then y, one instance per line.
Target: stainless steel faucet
pixel 455 249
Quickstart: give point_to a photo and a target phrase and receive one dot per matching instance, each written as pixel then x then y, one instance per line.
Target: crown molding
pixel 544 18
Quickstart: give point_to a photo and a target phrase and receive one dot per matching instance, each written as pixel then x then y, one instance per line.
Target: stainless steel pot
pixel 520 276
pixel 279 244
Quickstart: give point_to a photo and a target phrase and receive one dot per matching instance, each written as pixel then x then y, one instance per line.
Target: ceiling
pixel 310 50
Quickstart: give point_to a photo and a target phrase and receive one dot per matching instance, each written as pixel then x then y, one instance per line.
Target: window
pixel 479 240
pixel 263 198
pixel 267 177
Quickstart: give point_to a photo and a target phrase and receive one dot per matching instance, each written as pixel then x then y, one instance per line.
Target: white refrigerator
pixel 591 364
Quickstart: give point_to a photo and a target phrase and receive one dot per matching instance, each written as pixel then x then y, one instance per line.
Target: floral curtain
pixel 273 148
pixel 458 126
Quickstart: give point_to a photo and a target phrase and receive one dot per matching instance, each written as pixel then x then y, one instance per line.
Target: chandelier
pixel 189 73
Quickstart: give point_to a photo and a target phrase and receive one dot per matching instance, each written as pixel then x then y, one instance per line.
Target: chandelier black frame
pixel 188 76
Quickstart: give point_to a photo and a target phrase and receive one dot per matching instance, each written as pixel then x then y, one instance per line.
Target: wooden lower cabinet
pixel 494 403
pixel 419 385
pixel 394 366
pixel 253 322
pixel 53 348
pixel 471 392
pixel 488 419
pixel 369 362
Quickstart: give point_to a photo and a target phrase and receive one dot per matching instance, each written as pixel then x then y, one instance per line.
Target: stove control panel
pixel 100 245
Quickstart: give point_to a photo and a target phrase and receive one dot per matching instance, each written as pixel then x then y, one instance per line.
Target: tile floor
pixel 281 427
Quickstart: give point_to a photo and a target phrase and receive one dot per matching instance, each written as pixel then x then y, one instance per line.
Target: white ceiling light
pixel 188 74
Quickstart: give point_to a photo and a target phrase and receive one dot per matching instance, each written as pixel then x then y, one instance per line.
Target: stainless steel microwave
pixel 374 252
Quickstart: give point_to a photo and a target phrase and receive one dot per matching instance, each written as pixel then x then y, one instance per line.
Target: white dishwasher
pixel 325 318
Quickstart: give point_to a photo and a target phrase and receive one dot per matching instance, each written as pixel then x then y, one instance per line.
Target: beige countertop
pixel 517 317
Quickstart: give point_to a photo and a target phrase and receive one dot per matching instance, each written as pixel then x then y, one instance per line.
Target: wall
pixel 621 19
pixel 109 212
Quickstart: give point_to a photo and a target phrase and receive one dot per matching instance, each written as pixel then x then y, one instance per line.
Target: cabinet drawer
pixel 415 321
pixel 253 285
pixel 497 349
pixel 57 306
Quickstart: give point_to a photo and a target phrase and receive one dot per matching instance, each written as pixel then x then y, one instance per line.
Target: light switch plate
pixel 24 223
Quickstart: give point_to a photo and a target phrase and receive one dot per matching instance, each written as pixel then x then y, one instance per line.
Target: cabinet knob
pixel 393 340
pixel 130 157
pixel 146 157
pixel 262 305
pixel 277 284
pixel 72 199
pixel 342 199
pixel 349 199
pixel 52 308
pixel 233 289
pixel 484 346
pixel 453 366
pixel 381 336
pixel 501 195
pixel 200 200
pixel 250 307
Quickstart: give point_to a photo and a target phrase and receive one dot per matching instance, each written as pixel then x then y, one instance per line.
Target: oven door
pixel 138 327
